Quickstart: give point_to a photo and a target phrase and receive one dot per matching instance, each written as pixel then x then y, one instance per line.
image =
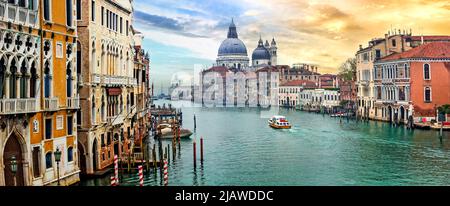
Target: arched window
pixel 23 80
pixel 48 160
pixel 93 110
pixel 2 76
pixel 70 154
pixel 33 80
pixel 427 95
pixel 426 72
pixel 102 111
pixel 13 80
pixel 103 65
pixel 69 80
pixel 78 59
pixel 47 79
pixel 406 71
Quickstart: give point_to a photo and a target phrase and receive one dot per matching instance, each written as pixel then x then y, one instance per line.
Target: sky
pixel 180 34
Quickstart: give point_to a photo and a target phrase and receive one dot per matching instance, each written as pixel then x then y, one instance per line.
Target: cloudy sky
pixel 180 34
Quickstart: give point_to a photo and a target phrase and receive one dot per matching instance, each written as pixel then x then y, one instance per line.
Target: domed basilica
pixel 233 52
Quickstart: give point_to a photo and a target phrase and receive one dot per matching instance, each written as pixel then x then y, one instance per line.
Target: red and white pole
pixel 113 181
pixel 116 169
pixel 141 176
pixel 166 173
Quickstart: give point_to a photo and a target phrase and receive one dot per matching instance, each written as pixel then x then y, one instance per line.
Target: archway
pixel 81 158
pixel 389 114
pixel 402 114
pixel 13 149
pixel 94 155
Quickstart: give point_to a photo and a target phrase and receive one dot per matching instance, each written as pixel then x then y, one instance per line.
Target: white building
pixel 289 92
pixel 318 98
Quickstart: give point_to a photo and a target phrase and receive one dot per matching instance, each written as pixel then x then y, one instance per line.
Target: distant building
pixel 299 72
pixel 317 99
pixel 289 92
pixel 328 81
pixel 414 82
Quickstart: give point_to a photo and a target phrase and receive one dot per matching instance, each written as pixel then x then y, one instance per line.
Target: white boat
pixel 167 133
pixel 279 122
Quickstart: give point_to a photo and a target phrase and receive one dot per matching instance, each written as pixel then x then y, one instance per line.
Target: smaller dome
pixel 261 53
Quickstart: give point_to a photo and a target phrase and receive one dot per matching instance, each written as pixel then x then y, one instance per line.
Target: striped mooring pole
pixel 116 169
pixel 113 181
pixel 141 176
pixel 166 173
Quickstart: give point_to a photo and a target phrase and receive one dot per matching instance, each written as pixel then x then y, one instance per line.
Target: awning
pixel 114 91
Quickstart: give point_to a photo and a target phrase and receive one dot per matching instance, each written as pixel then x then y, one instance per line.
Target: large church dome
pixel 232 46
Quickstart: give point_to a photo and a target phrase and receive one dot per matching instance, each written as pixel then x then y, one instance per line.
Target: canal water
pixel 241 149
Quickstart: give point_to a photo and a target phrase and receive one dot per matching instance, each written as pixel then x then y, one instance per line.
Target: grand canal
pixel 240 149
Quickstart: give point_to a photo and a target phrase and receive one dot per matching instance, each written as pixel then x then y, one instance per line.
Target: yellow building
pixel 38 99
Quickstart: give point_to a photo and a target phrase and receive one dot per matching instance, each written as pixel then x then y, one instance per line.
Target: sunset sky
pixel 179 34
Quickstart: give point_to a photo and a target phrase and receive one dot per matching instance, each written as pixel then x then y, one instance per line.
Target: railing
pixel 96 78
pixel 115 120
pixel 114 80
pixel 15 106
pixel 132 81
pixel 73 102
pixel 51 104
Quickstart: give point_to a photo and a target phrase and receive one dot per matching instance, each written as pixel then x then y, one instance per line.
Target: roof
pixel 430 38
pixel 268 69
pixel 304 83
pixel 432 50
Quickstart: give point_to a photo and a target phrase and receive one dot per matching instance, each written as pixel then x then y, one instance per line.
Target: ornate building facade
pixel 38 95
pixel 108 82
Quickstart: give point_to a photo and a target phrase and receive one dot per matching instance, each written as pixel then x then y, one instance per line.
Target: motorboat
pixel 279 122
pixel 166 132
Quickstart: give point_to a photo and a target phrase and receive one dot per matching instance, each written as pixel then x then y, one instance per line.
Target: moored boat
pixel 279 122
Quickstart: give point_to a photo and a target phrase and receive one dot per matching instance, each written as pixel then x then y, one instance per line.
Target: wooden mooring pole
pixel 195 155
pixel 201 150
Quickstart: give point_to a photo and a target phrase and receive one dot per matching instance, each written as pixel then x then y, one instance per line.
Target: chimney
pixel 360 47
pixel 421 39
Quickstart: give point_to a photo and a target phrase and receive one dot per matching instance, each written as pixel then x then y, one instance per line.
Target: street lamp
pixel 57 159
pixel 13 163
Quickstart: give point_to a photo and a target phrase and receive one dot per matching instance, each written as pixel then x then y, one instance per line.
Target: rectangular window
pixel 79 118
pixel 427 94
pixel 36 167
pixel 69 125
pixel 377 54
pixel 103 15
pixel 22 3
pixel 48 160
pixel 126 29
pixel 69 13
pixel 59 122
pixel 47 10
pixel 59 50
pixel 121 25
pixel 107 18
pixel 31 5
pixel 48 128
pixel 93 11
pixel 78 9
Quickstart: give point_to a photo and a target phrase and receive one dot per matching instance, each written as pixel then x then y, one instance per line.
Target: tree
pixel 444 109
pixel 347 70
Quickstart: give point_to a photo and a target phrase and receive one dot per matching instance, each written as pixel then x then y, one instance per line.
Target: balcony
pixel 17 106
pixel 96 78
pixel 132 81
pixel 73 102
pixel 115 120
pixel 18 15
pixel 114 80
pixel 51 104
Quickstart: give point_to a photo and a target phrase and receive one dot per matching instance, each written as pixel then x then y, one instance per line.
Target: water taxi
pixel 279 122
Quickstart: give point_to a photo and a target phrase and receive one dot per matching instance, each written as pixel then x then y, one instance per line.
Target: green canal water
pixel 241 149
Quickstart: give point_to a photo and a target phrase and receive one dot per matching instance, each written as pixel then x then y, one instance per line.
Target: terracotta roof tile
pixel 433 50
